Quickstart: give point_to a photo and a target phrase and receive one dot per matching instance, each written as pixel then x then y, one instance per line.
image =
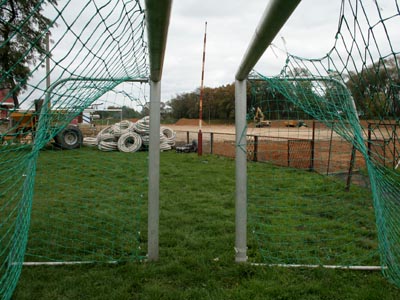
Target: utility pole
pixel 200 134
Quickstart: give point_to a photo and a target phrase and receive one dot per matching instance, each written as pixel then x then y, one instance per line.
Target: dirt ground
pixel 321 149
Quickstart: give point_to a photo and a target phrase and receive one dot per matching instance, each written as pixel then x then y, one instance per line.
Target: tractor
pixel 22 126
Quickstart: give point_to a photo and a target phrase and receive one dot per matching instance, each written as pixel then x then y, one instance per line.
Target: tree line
pixel 218 104
pixel 375 89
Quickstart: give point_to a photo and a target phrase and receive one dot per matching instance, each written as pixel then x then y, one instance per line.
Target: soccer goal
pixel 63 64
pixel 321 182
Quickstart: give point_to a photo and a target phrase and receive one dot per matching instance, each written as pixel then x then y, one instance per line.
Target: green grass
pixel 196 237
pixel 86 206
pixel 303 217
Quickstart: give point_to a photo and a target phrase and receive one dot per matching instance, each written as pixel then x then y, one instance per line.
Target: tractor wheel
pixel 69 138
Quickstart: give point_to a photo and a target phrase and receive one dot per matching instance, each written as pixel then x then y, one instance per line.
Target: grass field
pixel 197 196
pixel 303 217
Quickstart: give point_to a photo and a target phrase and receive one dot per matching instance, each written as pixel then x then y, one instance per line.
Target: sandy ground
pixel 301 147
pixel 227 132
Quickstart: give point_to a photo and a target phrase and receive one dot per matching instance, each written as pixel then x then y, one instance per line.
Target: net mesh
pixel 338 116
pixel 93 47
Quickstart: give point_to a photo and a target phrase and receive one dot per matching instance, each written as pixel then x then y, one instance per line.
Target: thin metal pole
pixel 157 21
pixel 154 171
pixel 272 21
pixel 241 172
pixel 200 134
pixel 48 80
pixel 275 16
pixel 342 267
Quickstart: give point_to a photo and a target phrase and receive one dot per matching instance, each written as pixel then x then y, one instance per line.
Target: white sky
pixel 309 32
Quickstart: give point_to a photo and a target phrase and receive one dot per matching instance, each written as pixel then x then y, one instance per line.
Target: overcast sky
pixel 309 32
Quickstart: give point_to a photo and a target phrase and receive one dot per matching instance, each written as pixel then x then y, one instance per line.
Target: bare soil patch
pixel 322 151
pixel 283 146
pixel 189 122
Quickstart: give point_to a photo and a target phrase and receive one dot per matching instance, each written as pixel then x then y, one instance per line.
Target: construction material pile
pixel 127 136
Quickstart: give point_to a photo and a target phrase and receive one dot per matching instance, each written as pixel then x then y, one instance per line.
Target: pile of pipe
pixel 127 136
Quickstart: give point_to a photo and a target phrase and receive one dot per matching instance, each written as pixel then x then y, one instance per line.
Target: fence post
pixel 312 147
pixel 394 139
pixel 330 150
pixel 211 142
pixel 255 149
pixel 369 139
pixel 351 167
pixel 384 152
pixel 187 137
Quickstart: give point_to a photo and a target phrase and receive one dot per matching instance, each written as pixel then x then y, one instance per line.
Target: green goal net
pixel 333 124
pixel 82 205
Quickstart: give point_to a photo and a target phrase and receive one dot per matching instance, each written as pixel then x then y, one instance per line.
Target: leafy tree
pixel 284 98
pixel 185 105
pixel 22 41
pixel 218 103
pixel 376 89
pixel 224 98
pixel 130 113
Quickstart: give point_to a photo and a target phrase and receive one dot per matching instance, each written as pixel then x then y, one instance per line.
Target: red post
pixel 200 135
pixel 200 143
